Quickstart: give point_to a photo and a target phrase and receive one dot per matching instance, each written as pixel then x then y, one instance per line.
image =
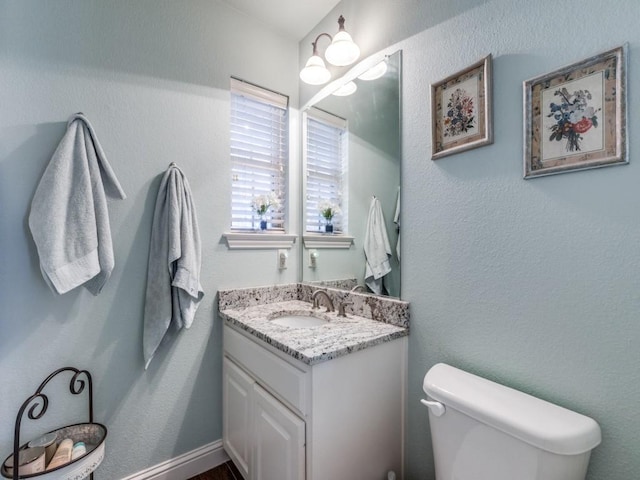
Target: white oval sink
pixel 299 321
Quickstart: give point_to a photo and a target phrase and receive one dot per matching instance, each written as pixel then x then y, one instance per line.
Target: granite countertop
pixel 340 336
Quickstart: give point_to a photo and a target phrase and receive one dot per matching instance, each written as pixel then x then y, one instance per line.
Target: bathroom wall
pixel 531 283
pixel 153 77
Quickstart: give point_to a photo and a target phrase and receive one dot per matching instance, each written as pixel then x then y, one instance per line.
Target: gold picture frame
pixel 575 117
pixel 461 116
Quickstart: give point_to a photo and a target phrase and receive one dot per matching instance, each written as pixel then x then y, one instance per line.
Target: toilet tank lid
pixel 528 418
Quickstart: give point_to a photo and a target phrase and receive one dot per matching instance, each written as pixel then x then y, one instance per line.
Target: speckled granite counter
pixel 379 308
pixel 340 336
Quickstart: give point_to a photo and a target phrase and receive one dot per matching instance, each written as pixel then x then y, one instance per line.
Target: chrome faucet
pixel 358 288
pixel 319 295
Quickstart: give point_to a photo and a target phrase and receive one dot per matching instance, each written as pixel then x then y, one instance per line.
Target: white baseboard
pixel 186 465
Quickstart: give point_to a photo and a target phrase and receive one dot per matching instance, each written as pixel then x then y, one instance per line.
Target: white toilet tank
pixel 487 431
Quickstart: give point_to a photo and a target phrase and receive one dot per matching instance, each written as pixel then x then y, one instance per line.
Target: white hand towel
pixel 376 248
pixel 173 277
pixel 69 219
pixel 396 220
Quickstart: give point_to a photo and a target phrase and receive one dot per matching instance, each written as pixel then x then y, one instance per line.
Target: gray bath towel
pixel 69 219
pixel 173 277
pixel 377 249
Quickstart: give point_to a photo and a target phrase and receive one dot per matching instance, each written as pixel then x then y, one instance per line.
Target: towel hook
pixel 172 164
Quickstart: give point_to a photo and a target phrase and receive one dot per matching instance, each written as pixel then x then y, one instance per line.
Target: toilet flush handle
pixel 436 408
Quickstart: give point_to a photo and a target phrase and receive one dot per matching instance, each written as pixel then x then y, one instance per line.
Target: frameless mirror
pixel 369 119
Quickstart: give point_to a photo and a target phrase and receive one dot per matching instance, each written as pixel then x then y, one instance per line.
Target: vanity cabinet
pixel 286 420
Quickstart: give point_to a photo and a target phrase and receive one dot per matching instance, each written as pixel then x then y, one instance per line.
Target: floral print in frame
pixel 461 110
pixel 575 117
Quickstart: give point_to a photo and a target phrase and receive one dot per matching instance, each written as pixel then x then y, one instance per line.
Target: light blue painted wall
pixel 153 77
pixel 532 283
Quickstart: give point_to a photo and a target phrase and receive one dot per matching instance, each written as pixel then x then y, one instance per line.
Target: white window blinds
pixel 259 146
pixel 326 155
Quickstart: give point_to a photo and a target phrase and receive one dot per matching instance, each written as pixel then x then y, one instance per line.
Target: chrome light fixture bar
pixel 341 52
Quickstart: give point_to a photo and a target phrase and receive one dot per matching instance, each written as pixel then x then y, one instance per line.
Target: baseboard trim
pixel 186 465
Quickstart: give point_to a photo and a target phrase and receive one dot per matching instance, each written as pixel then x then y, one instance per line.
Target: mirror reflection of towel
pixel 396 220
pixel 377 249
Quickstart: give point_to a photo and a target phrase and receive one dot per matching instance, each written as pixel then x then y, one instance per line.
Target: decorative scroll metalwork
pixel 40 402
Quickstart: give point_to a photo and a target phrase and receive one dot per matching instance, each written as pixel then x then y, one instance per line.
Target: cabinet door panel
pixel 279 440
pixel 237 392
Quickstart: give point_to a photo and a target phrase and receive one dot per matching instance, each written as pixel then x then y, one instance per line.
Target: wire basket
pixel 92 434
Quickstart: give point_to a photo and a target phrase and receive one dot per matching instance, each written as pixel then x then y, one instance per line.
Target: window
pixel 326 155
pixel 259 152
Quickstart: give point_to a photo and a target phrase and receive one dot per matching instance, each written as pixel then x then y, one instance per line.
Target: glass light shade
pixel 342 51
pixel 346 89
pixel 375 72
pixel 315 72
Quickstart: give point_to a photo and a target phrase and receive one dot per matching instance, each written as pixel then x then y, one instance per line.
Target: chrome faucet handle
pixel 341 311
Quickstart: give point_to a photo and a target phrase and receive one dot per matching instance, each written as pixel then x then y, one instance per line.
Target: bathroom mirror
pixel 372 149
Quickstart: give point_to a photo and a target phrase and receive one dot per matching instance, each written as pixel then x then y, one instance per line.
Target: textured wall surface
pixel 153 77
pixel 531 283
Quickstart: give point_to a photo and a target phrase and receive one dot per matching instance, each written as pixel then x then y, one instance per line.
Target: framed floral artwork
pixel 461 110
pixel 575 117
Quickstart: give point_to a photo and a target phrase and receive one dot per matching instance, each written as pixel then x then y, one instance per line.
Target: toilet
pixel 482 430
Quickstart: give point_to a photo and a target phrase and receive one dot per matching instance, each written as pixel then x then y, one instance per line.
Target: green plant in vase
pixel 328 210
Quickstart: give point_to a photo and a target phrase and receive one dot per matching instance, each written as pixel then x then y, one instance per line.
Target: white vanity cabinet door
pixel 236 408
pixel 279 440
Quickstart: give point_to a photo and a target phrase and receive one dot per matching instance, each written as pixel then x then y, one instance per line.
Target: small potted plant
pixel 328 210
pixel 261 205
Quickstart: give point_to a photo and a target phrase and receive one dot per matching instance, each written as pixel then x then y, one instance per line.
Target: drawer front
pixel 281 378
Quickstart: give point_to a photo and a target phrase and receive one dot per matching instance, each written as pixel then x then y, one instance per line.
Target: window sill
pixel 320 240
pixel 259 240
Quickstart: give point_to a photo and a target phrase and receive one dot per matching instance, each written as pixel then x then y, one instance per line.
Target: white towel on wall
pixel 173 276
pixel 377 249
pixel 69 219
pixel 396 220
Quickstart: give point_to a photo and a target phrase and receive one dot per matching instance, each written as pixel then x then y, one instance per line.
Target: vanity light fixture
pixel 375 72
pixel 346 89
pixel 341 52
